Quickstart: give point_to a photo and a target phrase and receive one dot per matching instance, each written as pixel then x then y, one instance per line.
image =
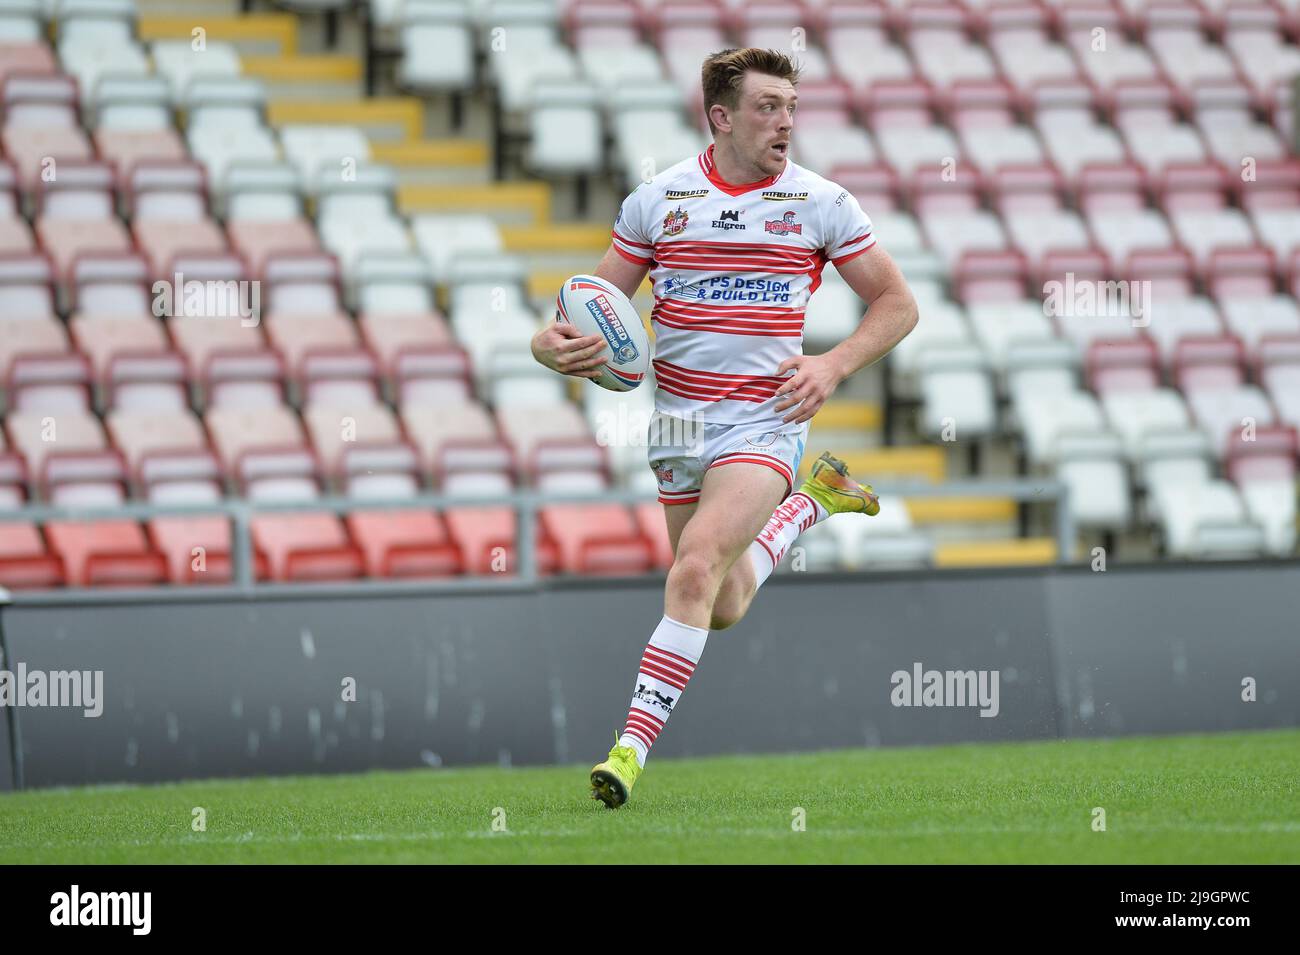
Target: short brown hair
pixel 723 73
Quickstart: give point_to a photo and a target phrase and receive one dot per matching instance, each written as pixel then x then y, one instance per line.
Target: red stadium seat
pixel 1204 363
pixel 26 58
pixel 874 185
pixel 1130 364
pixel 486 536
pixel 166 447
pixel 307 547
pixel 1242 272
pixel 650 519
pixel 197 549
pixel 405 544
pixel 990 276
pixel 359 440
pixel 50 381
pixel 106 553
pixel 24 560
pixel 67 448
pixel 1170 271
pixel 258 241
pixel 260 443
pixel 597 539
pixel 127 148
pixel 389 335
pixel 162 240
pixel 457 438
pixel 1269 453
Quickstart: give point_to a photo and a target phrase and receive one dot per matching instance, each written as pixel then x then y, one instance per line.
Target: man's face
pixel 763 120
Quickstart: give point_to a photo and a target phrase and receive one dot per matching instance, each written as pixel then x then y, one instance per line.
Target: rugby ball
pixel 596 307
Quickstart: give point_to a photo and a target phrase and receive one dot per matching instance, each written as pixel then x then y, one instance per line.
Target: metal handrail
pixel 525 503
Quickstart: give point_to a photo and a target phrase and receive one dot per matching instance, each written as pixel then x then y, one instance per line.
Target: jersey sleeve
pixel 848 230
pixel 631 233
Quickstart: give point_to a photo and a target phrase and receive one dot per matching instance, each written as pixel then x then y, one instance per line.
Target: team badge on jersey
pixel 665 475
pixel 784 225
pixel 676 221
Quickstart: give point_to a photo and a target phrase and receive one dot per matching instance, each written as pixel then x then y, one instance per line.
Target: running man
pixel 735 240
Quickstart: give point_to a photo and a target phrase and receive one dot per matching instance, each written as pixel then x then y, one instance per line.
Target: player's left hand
pixel 815 379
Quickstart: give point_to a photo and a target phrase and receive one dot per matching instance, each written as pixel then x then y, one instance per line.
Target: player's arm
pixel 891 310
pixel 560 347
pixel 891 315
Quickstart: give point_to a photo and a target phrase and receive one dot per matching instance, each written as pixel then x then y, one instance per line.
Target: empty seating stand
pixel 1001 149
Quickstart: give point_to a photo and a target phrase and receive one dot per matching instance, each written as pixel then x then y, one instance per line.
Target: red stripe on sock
pixel 650 670
pixel 668 662
pixel 639 734
pixel 676 656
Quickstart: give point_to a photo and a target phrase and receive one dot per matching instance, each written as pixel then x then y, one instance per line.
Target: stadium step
pixel 848 416
pixel 307 77
pixel 556 247
pixel 557 237
pixel 961 510
pixel 506 202
pixel 435 162
pixel 907 463
pixel 544 283
pixel 997 553
pixel 251 33
pixel 394 118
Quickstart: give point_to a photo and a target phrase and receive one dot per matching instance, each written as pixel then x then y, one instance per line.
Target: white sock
pixel 666 667
pixel 794 516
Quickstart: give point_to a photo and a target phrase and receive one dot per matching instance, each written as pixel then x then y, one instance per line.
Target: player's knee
pixel 695 577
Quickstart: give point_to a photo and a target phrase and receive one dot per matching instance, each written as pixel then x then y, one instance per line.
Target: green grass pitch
pixel 1230 798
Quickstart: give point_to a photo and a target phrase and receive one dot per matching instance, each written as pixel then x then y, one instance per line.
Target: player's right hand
pixel 561 347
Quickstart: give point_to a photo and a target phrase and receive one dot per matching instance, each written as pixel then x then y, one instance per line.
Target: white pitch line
pixel 252 838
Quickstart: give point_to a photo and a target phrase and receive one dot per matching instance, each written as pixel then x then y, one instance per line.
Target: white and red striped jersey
pixel 733 267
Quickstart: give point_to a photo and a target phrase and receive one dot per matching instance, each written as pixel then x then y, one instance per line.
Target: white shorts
pixel 680 451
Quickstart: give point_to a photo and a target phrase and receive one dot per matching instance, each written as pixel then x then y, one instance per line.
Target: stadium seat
pixel 166 447
pixel 486 536
pixel 24 560
pixel 597 539
pixel 1208 520
pixel 301 546
pixel 405 544
pixel 457 438
pixel 197 550
pixel 105 553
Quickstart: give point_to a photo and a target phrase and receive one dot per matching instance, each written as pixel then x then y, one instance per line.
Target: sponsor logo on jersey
pixel 730 219
pixel 673 195
pixel 784 225
pixel 764 440
pixel 674 285
pixel 675 221
pixel 665 475
pixel 620 342
pixel 785 196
